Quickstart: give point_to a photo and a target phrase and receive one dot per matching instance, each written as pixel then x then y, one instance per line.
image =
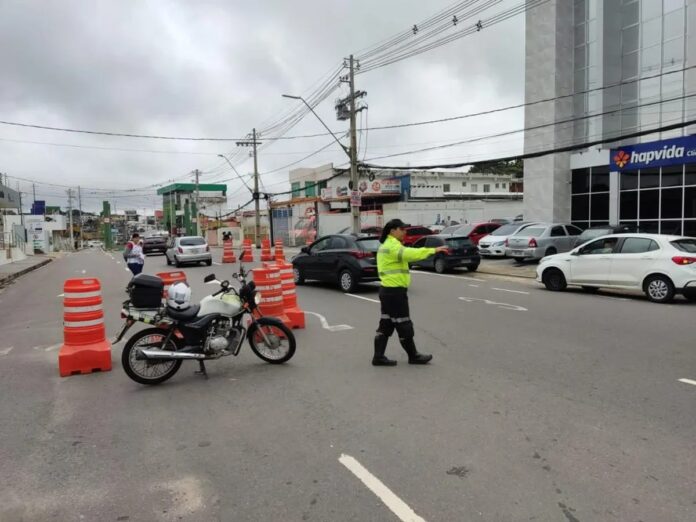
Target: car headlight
pixel 499 244
pixel 257 298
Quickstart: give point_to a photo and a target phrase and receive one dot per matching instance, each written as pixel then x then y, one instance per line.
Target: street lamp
pixel 345 149
pixel 235 171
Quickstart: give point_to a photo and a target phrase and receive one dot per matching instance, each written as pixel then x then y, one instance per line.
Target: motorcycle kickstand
pixel 201 369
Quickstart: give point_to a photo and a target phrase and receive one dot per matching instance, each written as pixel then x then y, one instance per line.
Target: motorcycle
pixel 209 331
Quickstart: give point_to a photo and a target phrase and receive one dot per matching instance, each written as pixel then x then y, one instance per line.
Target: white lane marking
pixel 326 326
pixel 126 269
pixel 60 295
pixel 53 347
pixel 460 277
pixel 511 291
pixel 475 286
pixel 687 381
pixel 5 351
pixel 118 262
pixel 386 495
pixel 502 306
pixel 218 264
pixel 84 271
pixel 363 298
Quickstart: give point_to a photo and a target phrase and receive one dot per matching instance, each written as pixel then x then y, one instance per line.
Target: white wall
pixel 426 213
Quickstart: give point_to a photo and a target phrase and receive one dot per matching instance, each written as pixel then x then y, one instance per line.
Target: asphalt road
pixel 537 406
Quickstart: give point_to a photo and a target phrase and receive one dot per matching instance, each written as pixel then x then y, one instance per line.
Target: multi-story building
pixel 612 69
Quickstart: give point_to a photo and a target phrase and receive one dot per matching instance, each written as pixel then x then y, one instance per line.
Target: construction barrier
pixel 269 285
pixel 85 348
pixel 247 252
pixel 292 310
pixel 169 278
pixel 227 252
pixel 266 254
pixel 279 254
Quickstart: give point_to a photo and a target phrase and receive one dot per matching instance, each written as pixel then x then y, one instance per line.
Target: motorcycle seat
pixel 184 315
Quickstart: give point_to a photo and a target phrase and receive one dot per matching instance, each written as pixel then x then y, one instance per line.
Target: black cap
pixel 391 225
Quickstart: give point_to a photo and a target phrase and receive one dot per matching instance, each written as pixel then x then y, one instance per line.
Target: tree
pixel 499 167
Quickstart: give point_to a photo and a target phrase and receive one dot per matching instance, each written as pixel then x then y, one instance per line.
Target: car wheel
pixel 473 268
pixel 554 279
pixel 440 265
pixel 659 289
pixel 346 280
pixel 177 263
pixel 551 251
pixel 209 262
pixel 168 260
pixel 590 289
pixel 298 276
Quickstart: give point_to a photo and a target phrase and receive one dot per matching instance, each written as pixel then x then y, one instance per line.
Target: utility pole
pixel 21 213
pixel 79 205
pixel 70 220
pixel 353 148
pixel 257 224
pixel 33 189
pixel 197 173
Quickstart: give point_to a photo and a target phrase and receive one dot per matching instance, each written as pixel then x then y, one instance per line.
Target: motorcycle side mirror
pixel 304 250
pixel 235 276
pixel 209 278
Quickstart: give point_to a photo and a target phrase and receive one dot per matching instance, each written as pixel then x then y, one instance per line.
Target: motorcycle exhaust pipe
pixel 163 354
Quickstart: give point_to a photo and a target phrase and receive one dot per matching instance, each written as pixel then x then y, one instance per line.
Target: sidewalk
pixel 506 267
pixel 10 271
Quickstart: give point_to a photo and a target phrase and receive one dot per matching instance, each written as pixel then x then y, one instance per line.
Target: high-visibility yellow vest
pixel 393 259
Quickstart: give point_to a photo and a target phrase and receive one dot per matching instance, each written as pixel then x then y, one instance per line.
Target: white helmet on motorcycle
pixel 179 296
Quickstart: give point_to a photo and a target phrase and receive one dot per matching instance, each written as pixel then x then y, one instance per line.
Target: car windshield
pixel 685 245
pixel 506 230
pixel 593 233
pixel 459 242
pixel 370 244
pixel 463 230
pixel 451 230
pixel 531 231
pixel 191 241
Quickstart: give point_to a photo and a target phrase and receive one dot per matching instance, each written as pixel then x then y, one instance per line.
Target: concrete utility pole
pixel 79 206
pixel 70 220
pixel 257 225
pixel 353 147
pixel 197 173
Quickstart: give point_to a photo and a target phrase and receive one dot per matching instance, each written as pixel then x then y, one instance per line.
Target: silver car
pixel 188 249
pixel 494 243
pixel 537 241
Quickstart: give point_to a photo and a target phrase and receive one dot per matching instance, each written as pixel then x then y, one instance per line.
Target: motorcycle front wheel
pixel 275 345
pixel 149 372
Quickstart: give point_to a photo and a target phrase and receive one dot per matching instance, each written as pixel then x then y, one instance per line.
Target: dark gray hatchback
pixel 341 258
pixel 462 253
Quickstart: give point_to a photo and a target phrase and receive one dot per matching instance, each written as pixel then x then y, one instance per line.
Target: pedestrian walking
pixel 134 255
pixel 392 265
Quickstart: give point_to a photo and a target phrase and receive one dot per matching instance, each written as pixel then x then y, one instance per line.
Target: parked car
pixel 594 232
pixel 436 228
pixel 494 243
pixel 659 265
pixel 188 249
pixel 95 243
pixel 474 231
pixel 462 252
pixel 413 234
pixel 541 240
pixel 154 244
pixel 365 231
pixel 340 258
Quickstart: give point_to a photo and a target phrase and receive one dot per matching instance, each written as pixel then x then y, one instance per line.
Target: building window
pixel 474 187
pixel 445 187
pixel 296 190
pixel 504 185
pixel 486 188
pixel 310 189
pixel 463 183
pixel 589 204
pixel 497 185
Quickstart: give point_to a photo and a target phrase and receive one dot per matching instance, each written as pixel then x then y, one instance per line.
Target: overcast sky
pixel 217 69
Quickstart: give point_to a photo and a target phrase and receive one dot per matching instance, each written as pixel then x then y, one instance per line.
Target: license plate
pixel 484 250
pixel 197 250
pixel 517 253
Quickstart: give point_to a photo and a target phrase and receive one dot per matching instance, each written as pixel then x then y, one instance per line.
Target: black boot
pixel 413 356
pixel 380 347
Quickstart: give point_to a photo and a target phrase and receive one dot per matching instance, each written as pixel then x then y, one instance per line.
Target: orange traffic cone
pixel 266 254
pixel 227 252
pixel 269 285
pixel 279 254
pixel 169 278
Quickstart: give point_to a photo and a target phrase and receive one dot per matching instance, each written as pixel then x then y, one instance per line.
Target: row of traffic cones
pixel 276 284
pixel 266 254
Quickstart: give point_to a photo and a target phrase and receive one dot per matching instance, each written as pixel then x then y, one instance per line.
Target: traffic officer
pixel 392 264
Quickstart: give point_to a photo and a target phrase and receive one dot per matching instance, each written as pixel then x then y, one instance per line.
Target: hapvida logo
pixel 621 158
pixel 658 155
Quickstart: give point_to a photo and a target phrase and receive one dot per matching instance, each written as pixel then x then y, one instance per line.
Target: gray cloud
pixel 217 68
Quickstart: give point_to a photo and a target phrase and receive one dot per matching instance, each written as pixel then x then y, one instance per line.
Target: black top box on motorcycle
pixel 146 291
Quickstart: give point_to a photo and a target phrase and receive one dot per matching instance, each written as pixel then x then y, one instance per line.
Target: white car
pixel 659 265
pixel 494 243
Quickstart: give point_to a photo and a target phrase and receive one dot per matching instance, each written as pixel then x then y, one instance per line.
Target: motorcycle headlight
pixel 257 298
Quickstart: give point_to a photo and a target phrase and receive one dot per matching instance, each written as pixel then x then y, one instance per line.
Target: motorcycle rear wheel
pixel 281 342
pixel 149 372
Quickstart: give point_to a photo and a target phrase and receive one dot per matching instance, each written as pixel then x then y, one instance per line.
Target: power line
pixel 546 152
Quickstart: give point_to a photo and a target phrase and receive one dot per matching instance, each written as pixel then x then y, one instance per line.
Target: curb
pixel 505 274
pixel 11 277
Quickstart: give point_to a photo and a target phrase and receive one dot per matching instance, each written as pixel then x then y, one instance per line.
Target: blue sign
pixel 676 151
pixel 38 208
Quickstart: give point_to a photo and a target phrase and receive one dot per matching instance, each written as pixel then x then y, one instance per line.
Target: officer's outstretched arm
pixel 411 255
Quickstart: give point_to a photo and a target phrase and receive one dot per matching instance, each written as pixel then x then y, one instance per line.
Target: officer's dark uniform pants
pixel 395 315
